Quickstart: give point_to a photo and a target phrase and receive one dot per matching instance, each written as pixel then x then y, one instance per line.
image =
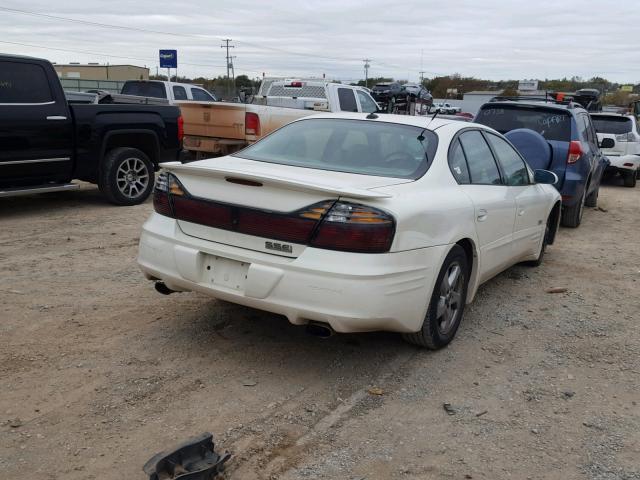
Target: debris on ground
pixel 556 290
pixel 449 409
pixel 375 391
pixel 194 459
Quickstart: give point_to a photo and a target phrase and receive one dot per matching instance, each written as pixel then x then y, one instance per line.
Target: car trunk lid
pixel 267 192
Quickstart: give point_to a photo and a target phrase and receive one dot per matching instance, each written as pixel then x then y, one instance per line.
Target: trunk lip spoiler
pixel 290 183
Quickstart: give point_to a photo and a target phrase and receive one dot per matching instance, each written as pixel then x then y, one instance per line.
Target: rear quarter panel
pixel 95 123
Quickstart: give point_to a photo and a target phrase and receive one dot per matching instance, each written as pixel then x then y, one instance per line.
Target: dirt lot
pixel 98 371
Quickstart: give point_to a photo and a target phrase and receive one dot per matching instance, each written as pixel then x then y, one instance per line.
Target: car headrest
pixel 532 146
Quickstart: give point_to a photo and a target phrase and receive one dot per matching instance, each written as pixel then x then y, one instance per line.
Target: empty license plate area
pixel 225 272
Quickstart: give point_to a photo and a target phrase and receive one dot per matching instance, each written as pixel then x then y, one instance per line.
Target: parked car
pixel 222 127
pixel 445 108
pixel 387 92
pixel 46 140
pixel 623 153
pixel 568 146
pixel 352 223
pixel 172 91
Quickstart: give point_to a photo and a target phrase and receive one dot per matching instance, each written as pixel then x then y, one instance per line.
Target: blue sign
pixel 168 59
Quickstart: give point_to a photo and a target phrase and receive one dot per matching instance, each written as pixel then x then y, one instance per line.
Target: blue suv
pixel 557 136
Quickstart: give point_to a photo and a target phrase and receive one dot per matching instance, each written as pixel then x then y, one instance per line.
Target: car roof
pixel 428 122
pixel 612 114
pixel 567 107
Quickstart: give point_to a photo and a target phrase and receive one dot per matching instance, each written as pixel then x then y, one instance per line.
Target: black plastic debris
pixel 194 459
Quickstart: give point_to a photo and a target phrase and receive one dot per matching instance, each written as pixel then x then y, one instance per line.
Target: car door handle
pixel 521 212
pixel 56 117
pixel 482 215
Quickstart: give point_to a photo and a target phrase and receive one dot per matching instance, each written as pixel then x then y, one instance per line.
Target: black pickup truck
pixel 46 140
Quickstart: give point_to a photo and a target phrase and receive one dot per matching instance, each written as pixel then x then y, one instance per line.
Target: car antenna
pixel 433 118
pixel 371 116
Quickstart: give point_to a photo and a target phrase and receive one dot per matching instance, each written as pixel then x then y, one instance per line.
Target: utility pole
pixel 366 71
pixel 422 72
pixel 233 70
pixel 227 46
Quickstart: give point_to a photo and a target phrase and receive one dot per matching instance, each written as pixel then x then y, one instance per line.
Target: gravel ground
pixel 98 372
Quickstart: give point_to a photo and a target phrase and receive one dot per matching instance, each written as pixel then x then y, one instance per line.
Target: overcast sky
pixel 496 39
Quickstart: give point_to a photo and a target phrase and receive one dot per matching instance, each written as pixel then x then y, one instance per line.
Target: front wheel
pixel 592 198
pixel 446 305
pixel 126 176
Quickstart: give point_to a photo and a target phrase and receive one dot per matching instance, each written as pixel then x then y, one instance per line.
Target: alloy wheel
pixel 450 300
pixel 132 177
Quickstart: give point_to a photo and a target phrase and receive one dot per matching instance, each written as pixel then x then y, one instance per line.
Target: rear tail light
pixel 355 228
pixel 329 224
pixel 251 124
pixel 180 128
pixel 626 137
pixel 575 151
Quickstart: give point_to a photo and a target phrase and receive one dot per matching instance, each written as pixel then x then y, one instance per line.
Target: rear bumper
pixel 351 292
pixel 623 163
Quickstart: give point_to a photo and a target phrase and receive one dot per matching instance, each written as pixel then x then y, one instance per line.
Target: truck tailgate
pixel 215 120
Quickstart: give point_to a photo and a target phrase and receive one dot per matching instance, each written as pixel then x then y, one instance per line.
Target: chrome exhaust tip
pixel 320 330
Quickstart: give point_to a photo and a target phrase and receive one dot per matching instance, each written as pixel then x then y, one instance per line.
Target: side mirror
pixel 607 143
pixel 545 176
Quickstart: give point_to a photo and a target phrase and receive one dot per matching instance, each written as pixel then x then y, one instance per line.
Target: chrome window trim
pixel 24 104
pixel 38 160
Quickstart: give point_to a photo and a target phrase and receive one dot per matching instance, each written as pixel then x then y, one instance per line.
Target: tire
pixel 126 176
pixel 572 216
pixel 638 174
pixel 629 179
pixel 543 247
pixel 592 198
pixel 437 331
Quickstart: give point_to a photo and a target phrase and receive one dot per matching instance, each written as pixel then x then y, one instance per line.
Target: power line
pixel 187 35
pixel 115 56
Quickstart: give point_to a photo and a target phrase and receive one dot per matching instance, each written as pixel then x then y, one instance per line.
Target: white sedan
pixel 352 223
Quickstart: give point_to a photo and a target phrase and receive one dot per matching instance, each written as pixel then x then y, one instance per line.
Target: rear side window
pixel 179 93
pixel 482 166
pixel 347 100
pixel 201 95
pixel 458 163
pixel 612 125
pixel 366 102
pixel 145 89
pixel 23 83
pixel 513 166
pixel 552 124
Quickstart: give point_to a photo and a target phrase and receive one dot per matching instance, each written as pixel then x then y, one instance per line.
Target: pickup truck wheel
pixel 629 179
pixel 446 306
pixel 572 216
pixel 126 177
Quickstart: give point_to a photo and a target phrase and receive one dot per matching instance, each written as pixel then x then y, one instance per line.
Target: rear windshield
pixel 352 146
pixel 145 89
pixel 612 124
pixel 552 124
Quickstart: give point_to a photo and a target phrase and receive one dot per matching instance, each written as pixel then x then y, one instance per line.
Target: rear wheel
pixel 446 305
pixel 126 176
pixel 572 216
pixel 629 179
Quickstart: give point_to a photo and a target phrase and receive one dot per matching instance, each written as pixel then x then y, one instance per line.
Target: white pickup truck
pixel 445 108
pixel 221 128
